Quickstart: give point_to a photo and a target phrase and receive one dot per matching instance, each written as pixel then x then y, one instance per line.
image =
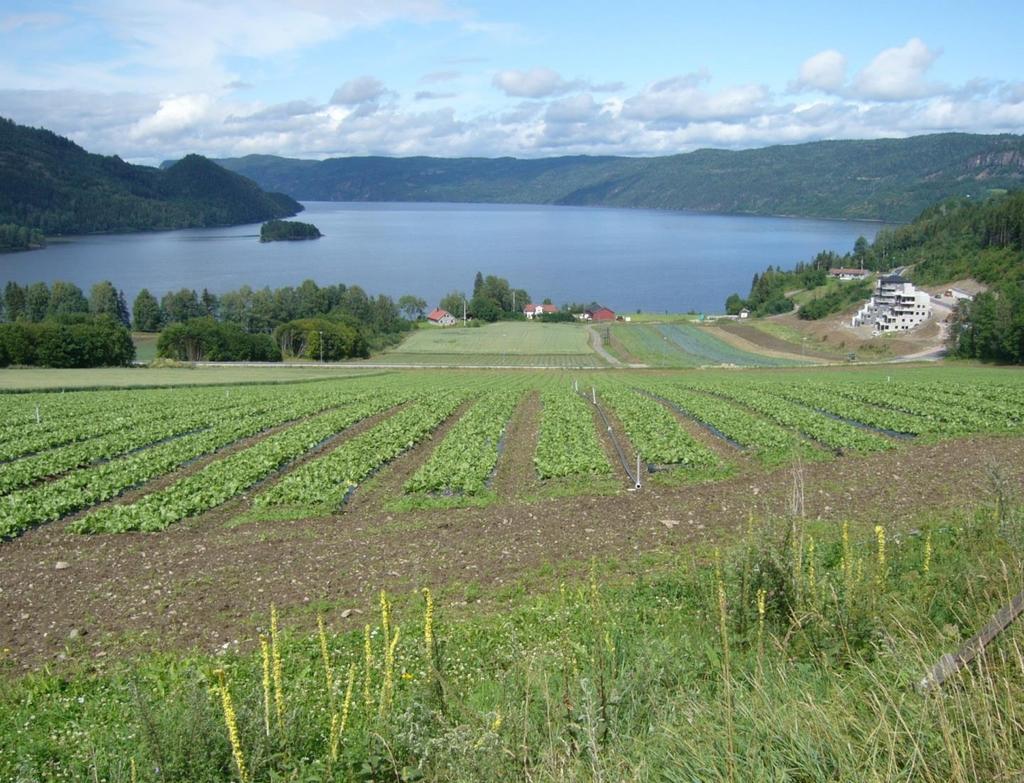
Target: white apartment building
pixel 895 306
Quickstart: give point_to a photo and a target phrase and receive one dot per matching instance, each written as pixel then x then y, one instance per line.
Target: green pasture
pixel 684 345
pixel 516 338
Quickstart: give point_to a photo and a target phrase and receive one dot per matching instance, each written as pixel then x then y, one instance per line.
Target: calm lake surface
pixel 625 259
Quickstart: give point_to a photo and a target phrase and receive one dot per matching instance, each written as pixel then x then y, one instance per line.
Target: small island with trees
pixel 288 230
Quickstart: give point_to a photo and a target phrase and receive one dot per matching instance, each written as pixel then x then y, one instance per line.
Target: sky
pixel 152 80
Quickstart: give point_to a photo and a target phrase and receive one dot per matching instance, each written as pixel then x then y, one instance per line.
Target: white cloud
pixel 430 95
pixel 534 83
pixel 575 108
pixel 824 71
pixel 897 74
pixel 681 100
pixel 362 89
pixel 175 116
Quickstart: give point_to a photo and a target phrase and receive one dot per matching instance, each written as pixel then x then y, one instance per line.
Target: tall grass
pixel 793 655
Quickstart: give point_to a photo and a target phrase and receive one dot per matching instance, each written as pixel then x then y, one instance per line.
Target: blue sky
pixel 320 78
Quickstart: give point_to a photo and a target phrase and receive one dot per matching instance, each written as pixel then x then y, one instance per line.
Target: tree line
pixel 493 299
pixel 15 237
pixel 310 321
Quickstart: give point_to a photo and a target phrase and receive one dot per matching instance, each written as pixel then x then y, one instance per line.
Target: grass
pixel 684 345
pixel 491 360
pixel 513 338
pixel 794 654
pixel 145 345
pixel 664 317
pixel 139 377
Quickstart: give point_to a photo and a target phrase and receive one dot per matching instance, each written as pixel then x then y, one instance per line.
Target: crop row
pixel 29 469
pixel 468 454
pixel 772 443
pixel 81 489
pixel 222 480
pixel 327 480
pixel 832 433
pixel 568 443
pixel 121 414
pixel 1005 413
pixel 823 399
pixel 951 419
pixel 654 431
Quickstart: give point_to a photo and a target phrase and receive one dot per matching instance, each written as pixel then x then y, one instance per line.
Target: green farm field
pixel 680 345
pixel 510 343
pixel 146 532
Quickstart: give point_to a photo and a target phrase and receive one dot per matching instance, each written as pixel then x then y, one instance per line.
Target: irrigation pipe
pixel 634 477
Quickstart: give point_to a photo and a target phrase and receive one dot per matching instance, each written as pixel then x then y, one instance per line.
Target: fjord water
pixel 625 259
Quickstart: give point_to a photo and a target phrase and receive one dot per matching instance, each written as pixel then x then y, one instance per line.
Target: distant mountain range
pixel 48 182
pixel 886 179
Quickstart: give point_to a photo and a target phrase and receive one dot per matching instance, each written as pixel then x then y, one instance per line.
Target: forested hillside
pixel 885 179
pixel 50 184
pixel 958 238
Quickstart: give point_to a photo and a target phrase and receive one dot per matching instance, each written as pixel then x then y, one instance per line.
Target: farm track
pixel 202 583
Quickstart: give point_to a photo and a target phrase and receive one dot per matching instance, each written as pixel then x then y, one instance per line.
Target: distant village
pixel 440 317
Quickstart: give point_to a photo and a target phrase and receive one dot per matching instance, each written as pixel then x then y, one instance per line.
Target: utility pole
pixel 513 300
pixel 463 311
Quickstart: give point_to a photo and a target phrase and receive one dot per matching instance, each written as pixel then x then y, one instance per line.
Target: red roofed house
pixel 441 317
pixel 601 314
pixel 539 309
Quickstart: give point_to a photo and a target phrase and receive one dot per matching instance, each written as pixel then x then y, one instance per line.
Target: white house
pixel 532 310
pixel 895 306
pixel 744 313
pixel 441 317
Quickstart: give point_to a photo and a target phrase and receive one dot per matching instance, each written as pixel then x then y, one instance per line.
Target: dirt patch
pixel 210 586
pixel 836 332
pixel 388 482
pixel 515 474
pixel 751 338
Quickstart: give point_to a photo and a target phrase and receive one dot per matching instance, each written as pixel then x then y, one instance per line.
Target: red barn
pixel 601 314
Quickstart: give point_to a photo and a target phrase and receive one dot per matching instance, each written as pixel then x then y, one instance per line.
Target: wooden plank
pixel 949 664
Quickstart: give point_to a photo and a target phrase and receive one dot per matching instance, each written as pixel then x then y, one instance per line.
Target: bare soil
pixel 206 583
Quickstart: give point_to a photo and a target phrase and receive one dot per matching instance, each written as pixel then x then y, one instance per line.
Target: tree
pixel 66 299
pixel 860 251
pixel 179 306
pixel 37 301
pixel 103 299
pixel 734 304
pixel 453 302
pixel 485 309
pixel 146 314
pixel 478 284
pixel 14 302
pixel 208 304
pixel 122 310
pixel 412 306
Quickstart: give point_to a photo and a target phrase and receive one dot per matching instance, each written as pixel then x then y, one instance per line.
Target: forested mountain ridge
pixel 48 182
pixel 884 179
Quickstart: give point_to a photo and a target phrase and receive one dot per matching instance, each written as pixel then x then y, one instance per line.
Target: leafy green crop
pixel 327 480
pixel 568 444
pixel 468 454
